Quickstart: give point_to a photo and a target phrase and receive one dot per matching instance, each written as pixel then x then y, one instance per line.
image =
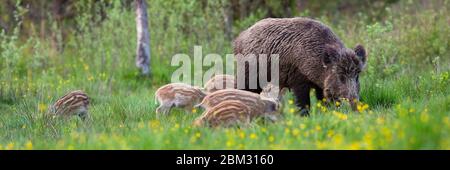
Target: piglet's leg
pixel 83 115
pixel 163 109
pixel 189 108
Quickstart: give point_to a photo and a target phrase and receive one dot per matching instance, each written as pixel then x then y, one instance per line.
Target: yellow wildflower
pixel 295 132
pixel 302 126
pixel 338 103
pixel 141 125
pixel 289 123
pixel 230 143
pixel 287 130
pixel 380 120
pixel 306 134
pixel 321 145
pixel 291 101
pixel 387 134
pixel 330 133
pixel 193 139
pixel 319 105
pixel 198 134
pixel 29 145
pixel 154 124
pixel 242 135
pixel 340 115
pixel 362 107
pixel 263 130
pixel 291 110
pixel 86 67
pixel 424 117
pixel 10 146
pixel 42 107
pixel 318 128
pixel 337 139
pixel 368 138
pixel 253 136
pixel 447 121
pixel 271 138
pixel 355 146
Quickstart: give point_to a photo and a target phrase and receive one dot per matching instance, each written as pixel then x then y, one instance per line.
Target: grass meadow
pixel 405 87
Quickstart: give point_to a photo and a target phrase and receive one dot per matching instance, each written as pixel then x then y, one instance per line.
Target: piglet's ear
pixel 330 55
pixel 361 53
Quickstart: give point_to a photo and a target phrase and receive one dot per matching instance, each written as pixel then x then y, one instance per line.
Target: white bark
pixel 143 38
pixel 227 13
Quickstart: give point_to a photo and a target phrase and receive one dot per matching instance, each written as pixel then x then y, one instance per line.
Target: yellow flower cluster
pixel 29 145
pixel 340 116
pixel 42 107
pixel 361 107
pixel 321 107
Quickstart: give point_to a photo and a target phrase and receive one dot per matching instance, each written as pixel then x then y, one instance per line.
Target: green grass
pixel 406 86
pixel 126 120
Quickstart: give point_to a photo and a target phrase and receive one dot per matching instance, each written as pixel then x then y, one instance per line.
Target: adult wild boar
pixel 311 56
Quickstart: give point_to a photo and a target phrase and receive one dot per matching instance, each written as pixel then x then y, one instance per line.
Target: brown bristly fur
pixel 311 56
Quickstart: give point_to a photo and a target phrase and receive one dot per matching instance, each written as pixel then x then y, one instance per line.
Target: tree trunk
pixel 227 11
pixel 143 38
pixel 3 26
pixel 301 5
pixel 286 6
pixel 243 8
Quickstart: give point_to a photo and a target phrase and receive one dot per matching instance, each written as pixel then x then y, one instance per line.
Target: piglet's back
pixel 219 82
pixel 230 94
pixel 170 91
pixel 70 103
pixel 226 113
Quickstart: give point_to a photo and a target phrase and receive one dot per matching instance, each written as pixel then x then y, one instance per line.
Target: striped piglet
pixel 227 113
pixel 73 103
pixel 229 105
pixel 177 95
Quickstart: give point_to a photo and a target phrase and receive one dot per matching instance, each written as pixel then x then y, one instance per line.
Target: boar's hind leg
pixel 301 93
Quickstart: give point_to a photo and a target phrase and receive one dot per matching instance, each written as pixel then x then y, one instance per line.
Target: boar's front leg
pixel 319 93
pixel 301 94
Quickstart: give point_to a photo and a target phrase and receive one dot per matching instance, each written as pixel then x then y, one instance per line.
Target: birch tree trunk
pixel 143 38
pixel 227 12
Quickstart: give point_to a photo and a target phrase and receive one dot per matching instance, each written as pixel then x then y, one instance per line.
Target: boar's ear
pixel 330 55
pixel 361 53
